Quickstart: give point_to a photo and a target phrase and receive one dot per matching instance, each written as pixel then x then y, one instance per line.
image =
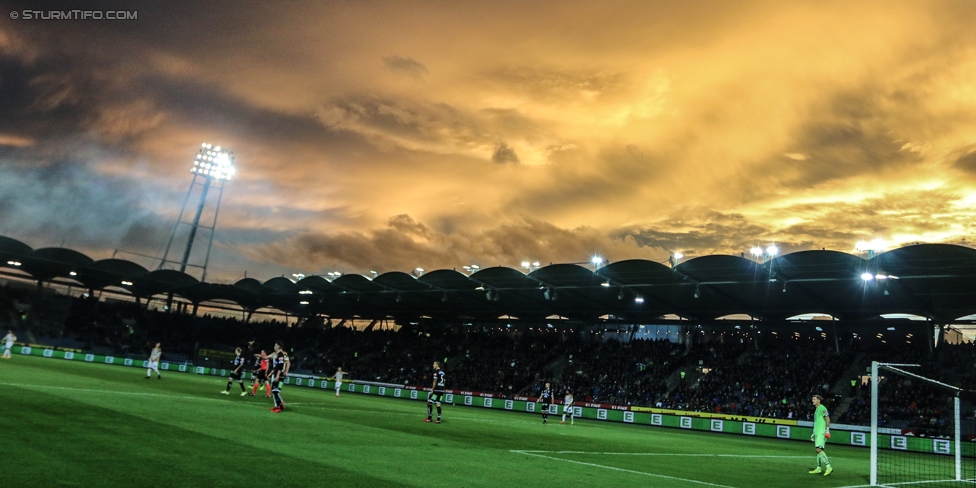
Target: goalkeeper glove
pixel 827 434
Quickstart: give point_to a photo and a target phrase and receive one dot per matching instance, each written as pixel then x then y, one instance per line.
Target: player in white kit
pixel 154 356
pixel 338 380
pixel 568 407
pixel 9 339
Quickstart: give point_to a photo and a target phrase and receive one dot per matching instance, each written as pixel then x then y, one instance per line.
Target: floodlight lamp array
pixel 214 162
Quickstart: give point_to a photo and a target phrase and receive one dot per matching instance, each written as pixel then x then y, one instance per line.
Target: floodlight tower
pixel 212 168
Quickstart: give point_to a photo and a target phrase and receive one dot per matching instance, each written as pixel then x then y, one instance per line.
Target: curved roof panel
pixel 937 281
pixel 52 262
pixel 318 283
pixel 399 281
pixel 109 272
pixel 358 283
pixel 503 277
pixel 160 281
pixel 566 276
pixel 637 272
pixel 282 285
pixel 719 268
pixel 12 248
pixel 448 279
pixel 252 285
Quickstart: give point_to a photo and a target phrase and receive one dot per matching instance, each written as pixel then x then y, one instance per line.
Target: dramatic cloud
pixel 404 244
pixel 504 154
pixel 391 136
pixel 406 66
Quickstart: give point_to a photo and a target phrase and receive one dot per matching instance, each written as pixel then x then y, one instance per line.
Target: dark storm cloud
pixel 743 116
pixel 38 98
pixel 551 84
pixel 208 105
pixel 967 163
pixel 513 123
pixel 405 243
pixel 404 120
pixel 407 66
pixel 912 212
pixel 834 225
pixel 850 136
pixel 63 89
pixel 616 176
pixel 703 232
pixel 504 154
pixel 66 201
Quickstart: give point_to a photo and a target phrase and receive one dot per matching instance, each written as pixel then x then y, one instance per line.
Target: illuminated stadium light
pixel 678 256
pixel 605 284
pixel 127 283
pixel 772 250
pixel 639 300
pixel 756 251
pixel 214 166
pixel 305 292
pixel 867 276
pixel 303 302
pixel 14 263
pixel 596 260
pixel 73 273
pixel 875 245
pixel 214 162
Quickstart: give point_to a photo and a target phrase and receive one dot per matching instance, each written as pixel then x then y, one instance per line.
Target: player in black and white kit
pixel 545 398
pixel 237 373
pixel 279 370
pixel 436 393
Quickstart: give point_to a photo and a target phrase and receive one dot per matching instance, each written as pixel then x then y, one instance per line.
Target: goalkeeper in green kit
pixel 821 432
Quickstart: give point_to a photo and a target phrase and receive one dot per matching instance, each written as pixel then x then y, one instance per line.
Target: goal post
pixel 928 434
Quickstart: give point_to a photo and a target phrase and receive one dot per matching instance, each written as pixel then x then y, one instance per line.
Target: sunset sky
pixel 393 135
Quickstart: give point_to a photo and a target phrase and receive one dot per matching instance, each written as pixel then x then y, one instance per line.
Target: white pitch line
pixel 404 414
pixel 114 392
pixel 763 456
pixel 674 478
pixel 222 400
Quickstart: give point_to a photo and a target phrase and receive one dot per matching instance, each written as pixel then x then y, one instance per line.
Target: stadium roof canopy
pixel 935 281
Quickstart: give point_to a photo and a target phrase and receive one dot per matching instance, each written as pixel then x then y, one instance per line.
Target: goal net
pixel 923 431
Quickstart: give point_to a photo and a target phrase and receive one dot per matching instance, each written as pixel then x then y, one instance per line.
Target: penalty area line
pixel 612 468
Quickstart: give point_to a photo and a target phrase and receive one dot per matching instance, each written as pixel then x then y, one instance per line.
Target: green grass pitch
pixel 77 424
